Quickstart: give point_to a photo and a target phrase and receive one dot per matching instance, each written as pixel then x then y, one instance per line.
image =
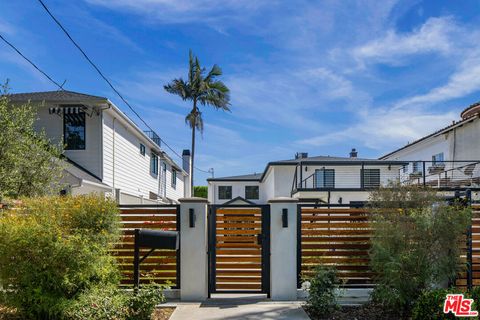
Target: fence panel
pixel 338 237
pixel 161 266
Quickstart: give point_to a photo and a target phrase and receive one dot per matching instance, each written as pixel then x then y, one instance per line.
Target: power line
pixel 31 62
pixel 106 79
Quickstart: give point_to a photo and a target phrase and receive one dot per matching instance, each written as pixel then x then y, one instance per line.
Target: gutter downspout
pixel 113 156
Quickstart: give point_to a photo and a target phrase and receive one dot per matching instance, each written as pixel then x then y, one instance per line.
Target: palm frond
pixel 216 95
pixel 215 72
pixel 180 88
pixel 194 119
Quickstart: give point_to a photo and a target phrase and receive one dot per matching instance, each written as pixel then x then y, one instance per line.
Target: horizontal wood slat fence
pixel 161 266
pixel 471 245
pixel 337 237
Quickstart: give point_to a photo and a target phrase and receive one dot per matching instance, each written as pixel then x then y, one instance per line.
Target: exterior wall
pixel 424 150
pixel 91 157
pixel 283 179
pixel 467 141
pixel 238 190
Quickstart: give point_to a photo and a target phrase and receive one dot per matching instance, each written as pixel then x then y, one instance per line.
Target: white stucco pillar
pixel 283 249
pixel 193 250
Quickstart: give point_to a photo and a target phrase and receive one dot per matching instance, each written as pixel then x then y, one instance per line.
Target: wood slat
pixel 239 286
pixel 166 211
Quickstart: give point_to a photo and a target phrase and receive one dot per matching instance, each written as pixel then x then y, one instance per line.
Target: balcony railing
pixel 155 137
pixel 358 176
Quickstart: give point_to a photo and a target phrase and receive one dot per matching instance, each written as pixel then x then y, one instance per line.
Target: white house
pixel 447 158
pixel 106 151
pixel 322 179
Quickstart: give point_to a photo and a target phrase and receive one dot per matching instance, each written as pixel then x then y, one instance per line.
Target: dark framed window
pixel 153 164
pixel 74 131
pixel 417 166
pixel 437 158
pixel 324 178
pixel 174 178
pixel 142 149
pixel 405 168
pixel 371 178
pixel 252 192
pixel 224 192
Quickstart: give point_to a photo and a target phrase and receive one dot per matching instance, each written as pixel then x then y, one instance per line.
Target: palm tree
pixel 200 89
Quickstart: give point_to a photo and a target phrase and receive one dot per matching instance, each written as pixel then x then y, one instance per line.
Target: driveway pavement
pixel 239 308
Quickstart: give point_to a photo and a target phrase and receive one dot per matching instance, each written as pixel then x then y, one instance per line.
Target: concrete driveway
pixel 239 308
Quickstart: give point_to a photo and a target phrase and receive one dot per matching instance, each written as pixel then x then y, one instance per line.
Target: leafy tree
pixel 203 89
pixel 415 243
pixel 29 164
pixel 200 191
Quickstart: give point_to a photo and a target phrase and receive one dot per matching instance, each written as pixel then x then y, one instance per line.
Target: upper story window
pixel 153 164
pixel 142 149
pixel 437 158
pixel 174 178
pixel 74 131
pixel 224 192
pixel 418 166
pixel 324 178
pixel 371 178
pixel 252 192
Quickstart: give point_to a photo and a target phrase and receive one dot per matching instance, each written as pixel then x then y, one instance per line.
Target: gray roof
pixel 63 96
pixel 245 177
pixel 81 173
pixel 325 158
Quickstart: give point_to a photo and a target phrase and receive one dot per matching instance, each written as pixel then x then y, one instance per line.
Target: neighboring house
pixel 446 158
pixel 325 179
pixel 106 152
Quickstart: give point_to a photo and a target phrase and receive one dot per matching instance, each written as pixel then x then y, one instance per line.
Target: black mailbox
pixel 154 239
pixel 151 239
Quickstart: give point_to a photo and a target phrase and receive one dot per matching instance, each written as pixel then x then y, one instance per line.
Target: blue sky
pixel 320 77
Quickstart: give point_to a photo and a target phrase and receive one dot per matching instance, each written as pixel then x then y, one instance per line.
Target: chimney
pixel 301 155
pixel 187 159
pixel 353 153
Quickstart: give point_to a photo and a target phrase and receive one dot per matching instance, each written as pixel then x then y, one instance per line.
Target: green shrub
pixel 414 243
pixel 111 303
pixel 430 305
pixel 322 299
pixel 53 248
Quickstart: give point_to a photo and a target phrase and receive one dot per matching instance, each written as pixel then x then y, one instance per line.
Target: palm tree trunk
pixel 193 146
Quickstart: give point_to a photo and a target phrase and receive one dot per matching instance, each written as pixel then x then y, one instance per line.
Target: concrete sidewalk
pixel 236 308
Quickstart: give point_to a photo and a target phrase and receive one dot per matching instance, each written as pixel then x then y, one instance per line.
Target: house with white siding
pixel 107 152
pixel 319 179
pixel 447 158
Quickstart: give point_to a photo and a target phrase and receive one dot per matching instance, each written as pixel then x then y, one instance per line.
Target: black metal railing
pixel 154 136
pixel 357 175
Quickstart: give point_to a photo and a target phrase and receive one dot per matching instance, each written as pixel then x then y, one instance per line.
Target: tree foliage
pixel 200 191
pixel 29 163
pixel 415 245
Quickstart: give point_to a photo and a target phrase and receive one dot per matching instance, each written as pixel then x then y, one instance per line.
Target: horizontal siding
pixel 132 170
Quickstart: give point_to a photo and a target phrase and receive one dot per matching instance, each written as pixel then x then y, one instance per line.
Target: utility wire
pixel 31 62
pixel 106 79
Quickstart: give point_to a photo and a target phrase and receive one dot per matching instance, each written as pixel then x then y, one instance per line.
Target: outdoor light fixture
pixel 191 218
pixel 285 218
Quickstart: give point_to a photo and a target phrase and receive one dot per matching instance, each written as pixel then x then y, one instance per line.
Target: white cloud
pixel 435 35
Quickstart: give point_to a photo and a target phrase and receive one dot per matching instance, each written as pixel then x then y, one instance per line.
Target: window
pixel 74 131
pixel 324 178
pixel 405 168
pixel 251 192
pixel 224 192
pixel 174 178
pixel 371 178
pixel 154 164
pixel 418 166
pixel 142 149
pixel 437 158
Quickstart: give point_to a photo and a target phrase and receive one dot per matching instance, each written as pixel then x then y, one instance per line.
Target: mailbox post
pixel 151 239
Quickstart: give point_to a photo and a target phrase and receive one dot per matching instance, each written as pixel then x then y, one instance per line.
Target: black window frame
pixel 366 179
pixel 65 140
pixel 323 183
pixel 142 149
pixel 257 188
pixel 226 197
pixel 174 179
pixel 154 164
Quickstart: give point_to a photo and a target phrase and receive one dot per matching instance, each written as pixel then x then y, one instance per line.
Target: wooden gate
pixel 335 236
pixel 239 249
